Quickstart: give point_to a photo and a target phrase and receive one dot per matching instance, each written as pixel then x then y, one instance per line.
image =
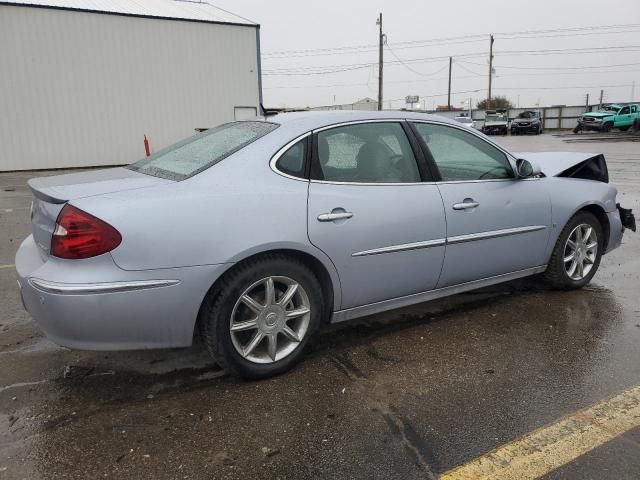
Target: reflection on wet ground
pixel 408 394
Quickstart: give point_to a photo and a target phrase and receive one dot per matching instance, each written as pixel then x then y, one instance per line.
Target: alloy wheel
pixel 580 251
pixel 270 319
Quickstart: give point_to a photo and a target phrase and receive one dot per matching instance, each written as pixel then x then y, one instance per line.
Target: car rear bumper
pixel 497 129
pixel 94 305
pixel 526 128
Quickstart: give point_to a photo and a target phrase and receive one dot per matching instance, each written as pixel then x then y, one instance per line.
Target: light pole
pixel 380 62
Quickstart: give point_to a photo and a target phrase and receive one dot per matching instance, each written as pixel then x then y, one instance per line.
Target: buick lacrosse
pixel 254 233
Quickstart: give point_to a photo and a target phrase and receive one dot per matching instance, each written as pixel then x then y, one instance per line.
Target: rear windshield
pixel 195 154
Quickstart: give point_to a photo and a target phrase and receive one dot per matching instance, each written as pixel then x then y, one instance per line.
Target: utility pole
pixel 449 93
pixel 601 95
pixel 490 69
pixel 586 105
pixel 633 91
pixel 380 63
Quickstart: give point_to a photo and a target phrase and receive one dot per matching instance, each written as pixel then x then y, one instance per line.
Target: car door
pixel 624 117
pixel 496 223
pixel 371 212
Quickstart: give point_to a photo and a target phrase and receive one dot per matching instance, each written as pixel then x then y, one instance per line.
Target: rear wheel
pixel 577 253
pixel 624 129
pixel 259 319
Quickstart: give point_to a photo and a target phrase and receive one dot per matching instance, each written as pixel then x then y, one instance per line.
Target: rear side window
pixel 195 154
pixel 293 161
pixel 376 152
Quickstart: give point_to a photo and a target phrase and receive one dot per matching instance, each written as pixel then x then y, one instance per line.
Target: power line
pixel 573 29
pixel 556 35
pixel 564 51
pixel 413 70
pixel 592 30
pixel 319 70
pixel 586 67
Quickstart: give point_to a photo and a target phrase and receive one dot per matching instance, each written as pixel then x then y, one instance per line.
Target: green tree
pixel 496 102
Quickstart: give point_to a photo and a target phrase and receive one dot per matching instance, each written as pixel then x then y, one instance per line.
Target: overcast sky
pixel 526 78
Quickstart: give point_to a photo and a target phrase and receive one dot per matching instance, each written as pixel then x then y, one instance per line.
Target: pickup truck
pixel 495 121
pixel 610 116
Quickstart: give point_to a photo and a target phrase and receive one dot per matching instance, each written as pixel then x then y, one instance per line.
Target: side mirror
pixel 526 169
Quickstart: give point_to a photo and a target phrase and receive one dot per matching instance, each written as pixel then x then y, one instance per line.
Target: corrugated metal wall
pixel 81 89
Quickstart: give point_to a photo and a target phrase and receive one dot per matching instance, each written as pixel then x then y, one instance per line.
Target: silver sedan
pixel 254 233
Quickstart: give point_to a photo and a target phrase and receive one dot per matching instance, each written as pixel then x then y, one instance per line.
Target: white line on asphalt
pixel 22 384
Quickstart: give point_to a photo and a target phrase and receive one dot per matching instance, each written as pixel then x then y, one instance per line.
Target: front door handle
pixel 468 203
pixel 330 217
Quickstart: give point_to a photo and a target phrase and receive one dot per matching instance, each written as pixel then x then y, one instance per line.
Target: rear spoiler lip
pixel 44 196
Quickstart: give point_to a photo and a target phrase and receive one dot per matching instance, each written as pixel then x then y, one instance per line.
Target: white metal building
pixel 82 81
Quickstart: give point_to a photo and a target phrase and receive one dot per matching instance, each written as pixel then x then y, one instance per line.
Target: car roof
pixel 309 120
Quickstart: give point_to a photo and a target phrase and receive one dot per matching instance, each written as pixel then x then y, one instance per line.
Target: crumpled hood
pixel 598 114
pixel 553 164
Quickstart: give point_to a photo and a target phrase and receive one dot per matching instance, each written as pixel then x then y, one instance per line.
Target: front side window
pixel 376 152
pixel 197 153
pixel 293 161
pixel 624 111
pixel 462 156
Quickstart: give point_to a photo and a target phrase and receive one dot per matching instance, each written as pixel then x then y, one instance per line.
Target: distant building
pixel 362 104
pixel 445 108
pixel 82 82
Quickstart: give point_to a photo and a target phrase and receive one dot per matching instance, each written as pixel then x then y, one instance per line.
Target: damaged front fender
pixel 587 166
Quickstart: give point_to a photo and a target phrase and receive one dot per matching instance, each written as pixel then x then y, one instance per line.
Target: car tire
pixel 607 127
pixel 225 305
pixel 560 273
pixel 624 129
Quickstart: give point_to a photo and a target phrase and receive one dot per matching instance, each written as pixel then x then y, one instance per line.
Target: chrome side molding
pixel 442 241
pixel 95 288
pixel 400 248
pixel 494 234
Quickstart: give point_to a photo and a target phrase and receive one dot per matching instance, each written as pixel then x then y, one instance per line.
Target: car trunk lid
pixel 50 194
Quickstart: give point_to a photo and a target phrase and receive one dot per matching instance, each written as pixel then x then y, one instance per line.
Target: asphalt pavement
pixel 515 378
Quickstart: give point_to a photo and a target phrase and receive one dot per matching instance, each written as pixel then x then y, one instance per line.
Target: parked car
pixel 527 122
pixel 254 233
pixel 496 122
pixel 610 116
pixel 466 121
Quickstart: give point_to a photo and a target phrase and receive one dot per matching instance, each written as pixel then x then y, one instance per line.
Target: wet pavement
pixel 407 394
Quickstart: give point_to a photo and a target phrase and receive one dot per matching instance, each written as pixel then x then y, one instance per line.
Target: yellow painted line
pixel 543 450
pixel 8 210
pixel 7 266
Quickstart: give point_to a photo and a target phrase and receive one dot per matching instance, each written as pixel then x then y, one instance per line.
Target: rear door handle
pixel 330 217
pixel 468 203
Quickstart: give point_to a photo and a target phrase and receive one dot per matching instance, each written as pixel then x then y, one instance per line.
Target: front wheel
pixel 257 322
pixel 607 127
pixel 577 253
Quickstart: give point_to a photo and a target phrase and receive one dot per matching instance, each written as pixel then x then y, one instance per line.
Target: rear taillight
pixel 80 235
